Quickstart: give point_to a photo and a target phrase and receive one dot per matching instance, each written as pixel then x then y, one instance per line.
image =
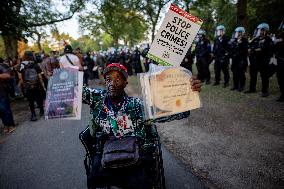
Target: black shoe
pixel 234 88
pixel 225 85
pixel 33 117
pixel 250 91
pixel 264 94
pixel 280 99
pixel 216 83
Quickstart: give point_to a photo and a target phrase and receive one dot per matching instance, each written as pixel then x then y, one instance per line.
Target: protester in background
pixel 260 53
pixel 16 63
pixel 100 63
pixel 239 54
pixel 45 69
pixel 221 56
pixel 10 89
pixel 78 52
pixel 129 63
pixel 203 57
pixel 122 57
pixel 69 59
pixel 88 69
pixel 136 58
pixel 146 59
pixel 6 114
pixel 32 82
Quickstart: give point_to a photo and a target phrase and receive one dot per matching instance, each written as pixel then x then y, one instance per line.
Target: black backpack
pixel 30 74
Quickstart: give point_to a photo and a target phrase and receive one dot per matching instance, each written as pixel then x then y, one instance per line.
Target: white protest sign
pixel 174 37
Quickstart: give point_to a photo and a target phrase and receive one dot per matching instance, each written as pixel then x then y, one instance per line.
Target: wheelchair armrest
pixel 88 141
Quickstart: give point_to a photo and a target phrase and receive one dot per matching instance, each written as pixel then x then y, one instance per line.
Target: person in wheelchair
pixel 117 117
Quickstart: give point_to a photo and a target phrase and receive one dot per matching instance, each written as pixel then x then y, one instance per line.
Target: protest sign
pixel 64 94
pixel 174 37
pixel 167 91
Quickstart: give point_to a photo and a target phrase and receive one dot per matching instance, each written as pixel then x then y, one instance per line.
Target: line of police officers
pixel 258 52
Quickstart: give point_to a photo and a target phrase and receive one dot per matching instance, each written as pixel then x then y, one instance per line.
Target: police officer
pixel 221 56
pixel 239 53
pixel 187 60
pixel 136 57
pixel 203 57
pixel 279 54
pixel 260 52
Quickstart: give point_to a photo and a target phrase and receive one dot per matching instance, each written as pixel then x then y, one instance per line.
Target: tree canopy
pixel 19 16
pixel 109 21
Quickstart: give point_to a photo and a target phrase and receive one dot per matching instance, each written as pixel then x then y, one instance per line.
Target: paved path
pixel 49 155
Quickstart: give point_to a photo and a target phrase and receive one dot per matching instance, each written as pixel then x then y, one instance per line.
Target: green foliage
pixel 215 12
pixel 117 18
pixel 85 43
pixel 60 36
pixel 270 12
pixel 19 16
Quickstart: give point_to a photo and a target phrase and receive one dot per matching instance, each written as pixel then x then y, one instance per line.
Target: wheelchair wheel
pixel 160 177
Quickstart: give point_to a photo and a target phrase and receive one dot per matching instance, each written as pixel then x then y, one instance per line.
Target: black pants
pixel 137 67
pixel 139 177
pixel 238 68
pixel 280 75
pixel 222 63
pixel 35 95
pixel 202 65
pixel 129 68
pixel 147 65
pixel 86 78
pixel 262 66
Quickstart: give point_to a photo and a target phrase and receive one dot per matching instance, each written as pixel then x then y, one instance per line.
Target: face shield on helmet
pixel 197 38
pixel 239 32
pixel 220 31
pixel 237 35
pixel 199 35
pixel 261 30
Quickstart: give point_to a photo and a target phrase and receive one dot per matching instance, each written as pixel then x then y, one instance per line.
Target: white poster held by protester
pixel 174 37
pixel 64 94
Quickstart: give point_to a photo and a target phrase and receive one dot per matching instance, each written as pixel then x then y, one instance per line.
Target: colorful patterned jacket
pixel 123 119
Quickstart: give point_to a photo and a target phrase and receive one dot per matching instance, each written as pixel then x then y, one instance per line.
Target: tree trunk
pixel 38 42
pixel 153 31
pixel 242 19
pixel 116 44
pixel 11 45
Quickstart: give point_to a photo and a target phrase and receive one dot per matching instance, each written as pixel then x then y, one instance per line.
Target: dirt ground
pixel 234 141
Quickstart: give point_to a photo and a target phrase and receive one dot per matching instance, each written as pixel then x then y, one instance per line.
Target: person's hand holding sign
pixel 195 84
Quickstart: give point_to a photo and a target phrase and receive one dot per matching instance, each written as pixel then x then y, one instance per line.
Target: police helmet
pixel 263 26
pixel 220 27
pixel 201 32
pixel 240 29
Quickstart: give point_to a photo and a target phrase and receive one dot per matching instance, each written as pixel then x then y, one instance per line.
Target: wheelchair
pixel 89 144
